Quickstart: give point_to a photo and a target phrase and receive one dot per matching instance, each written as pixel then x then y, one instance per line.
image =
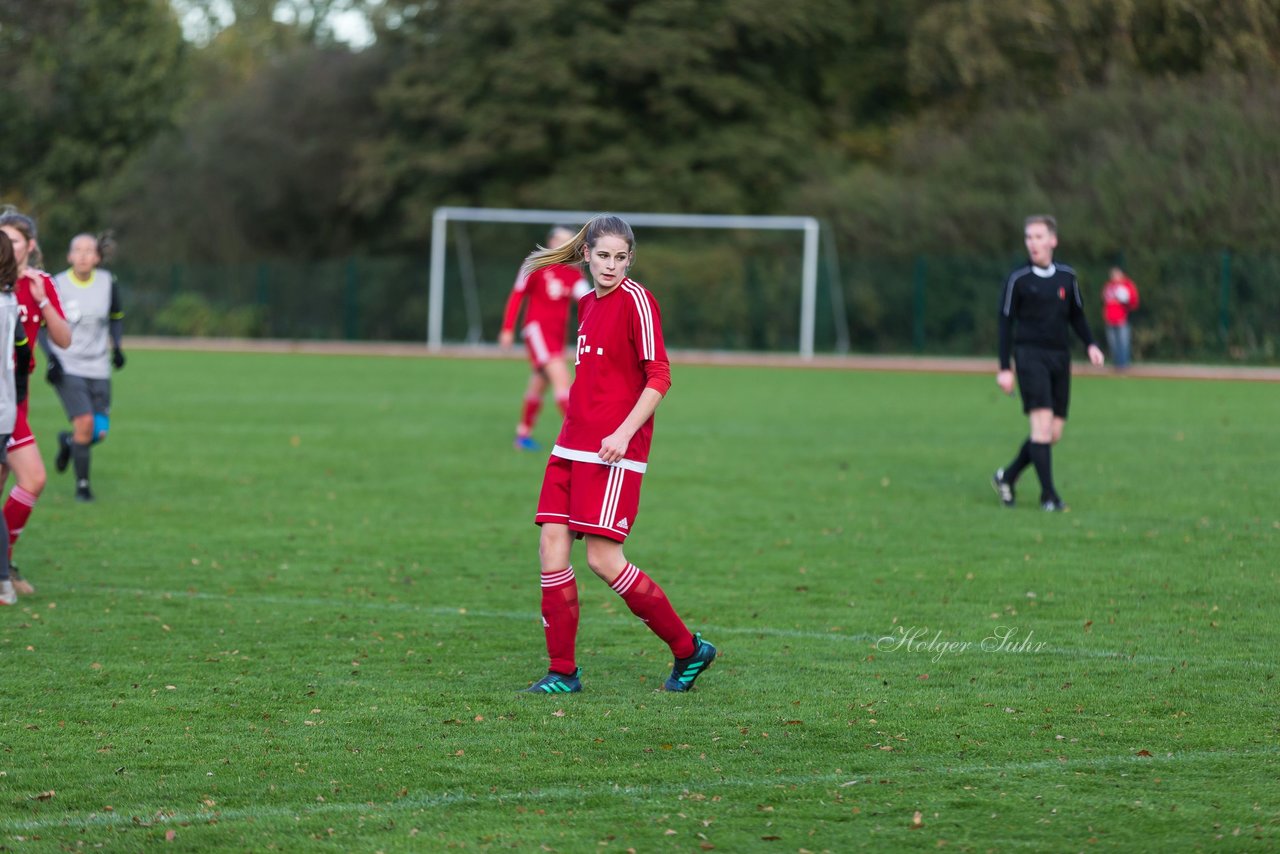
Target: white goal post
pixel 440 225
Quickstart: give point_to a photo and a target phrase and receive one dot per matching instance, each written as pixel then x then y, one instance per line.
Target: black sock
pixel 80 458
pixel 1042 459
pixel 1014 470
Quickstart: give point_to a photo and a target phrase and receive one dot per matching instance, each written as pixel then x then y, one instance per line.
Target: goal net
pixel 724 282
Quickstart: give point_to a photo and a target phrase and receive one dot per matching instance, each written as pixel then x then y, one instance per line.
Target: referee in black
pixel 1039 302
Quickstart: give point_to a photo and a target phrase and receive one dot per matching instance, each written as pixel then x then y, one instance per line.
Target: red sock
pixel 560 618
pixel 647 601
pixel 529 415
pixel 562 401
pixel 16 512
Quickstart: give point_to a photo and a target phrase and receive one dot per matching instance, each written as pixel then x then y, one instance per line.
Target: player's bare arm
pixel 614 446
pixel 59 330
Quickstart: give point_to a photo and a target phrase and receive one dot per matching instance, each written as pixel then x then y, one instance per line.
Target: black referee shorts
pixel 1044 379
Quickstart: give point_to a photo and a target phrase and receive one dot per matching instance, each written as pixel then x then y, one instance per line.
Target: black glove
pixel 117 358
pixel 21 380
pixel 54 373
pixel 21 370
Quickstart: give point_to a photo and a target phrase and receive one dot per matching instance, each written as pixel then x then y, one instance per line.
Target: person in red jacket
pixel 1119 297
pixel 548 291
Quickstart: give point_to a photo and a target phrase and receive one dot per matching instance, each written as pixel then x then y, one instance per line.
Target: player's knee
pixel 555 544
pixel 101 424
pixel 605 561
pixel 34 483
pixel 82 429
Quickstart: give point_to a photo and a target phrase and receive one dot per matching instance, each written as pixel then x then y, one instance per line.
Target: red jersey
pixel 1118 299
pixel 30 315
pixel 617 335
pixel 548 291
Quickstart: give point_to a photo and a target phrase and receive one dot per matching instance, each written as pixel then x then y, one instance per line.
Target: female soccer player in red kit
pixel 591 488
pixel 38 306
pixel 548 291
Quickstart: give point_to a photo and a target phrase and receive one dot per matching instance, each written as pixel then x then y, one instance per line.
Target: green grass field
pixel 298 614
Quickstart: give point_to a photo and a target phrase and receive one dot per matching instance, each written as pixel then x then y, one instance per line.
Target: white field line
pixel 161 815
pixel 761 631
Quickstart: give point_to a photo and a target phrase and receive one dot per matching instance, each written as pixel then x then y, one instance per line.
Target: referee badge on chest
pixel 1062 293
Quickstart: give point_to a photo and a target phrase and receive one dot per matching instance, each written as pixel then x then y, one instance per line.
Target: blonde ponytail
pixel 571 251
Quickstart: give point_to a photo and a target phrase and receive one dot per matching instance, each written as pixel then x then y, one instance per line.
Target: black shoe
pixel 1003 488
pixel 1053 505
pixel 64 452
pixel 83 492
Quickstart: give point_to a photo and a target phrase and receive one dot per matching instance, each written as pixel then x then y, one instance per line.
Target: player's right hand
pixel 34 283
pixel 53 375
pixel 506 338
pixel 1004 379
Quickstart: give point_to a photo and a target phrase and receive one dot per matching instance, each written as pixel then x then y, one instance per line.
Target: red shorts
pixel 21 435
pixel 591 498
pixel 541 348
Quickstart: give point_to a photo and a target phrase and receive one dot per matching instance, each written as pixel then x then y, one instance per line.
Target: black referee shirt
pixel 1037 306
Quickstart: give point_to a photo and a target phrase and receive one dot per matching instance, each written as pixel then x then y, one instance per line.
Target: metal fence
pixel 1215 306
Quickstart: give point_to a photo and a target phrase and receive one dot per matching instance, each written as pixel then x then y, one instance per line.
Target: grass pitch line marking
pixel 124 816
pixel 532 616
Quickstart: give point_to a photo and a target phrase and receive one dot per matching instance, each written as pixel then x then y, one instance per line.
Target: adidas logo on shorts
pixel 623 523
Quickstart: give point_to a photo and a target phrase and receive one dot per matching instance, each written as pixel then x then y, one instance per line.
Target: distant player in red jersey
pixel 591 488
pixel 548 291
pixel 37 306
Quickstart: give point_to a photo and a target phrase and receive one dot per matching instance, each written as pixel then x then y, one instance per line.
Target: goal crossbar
pixel 805 224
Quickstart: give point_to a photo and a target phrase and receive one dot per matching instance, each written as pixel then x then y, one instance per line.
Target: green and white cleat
pixel 687 670
pixel 557 683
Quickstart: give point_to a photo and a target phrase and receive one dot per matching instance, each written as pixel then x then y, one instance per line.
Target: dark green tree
pixel 1027 51
pixel 667 104
pixel 90 82
pixel 260 171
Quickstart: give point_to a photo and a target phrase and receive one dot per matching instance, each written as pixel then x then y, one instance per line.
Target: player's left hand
pixel 614 447
pixel 1095 356
pixel 117 358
